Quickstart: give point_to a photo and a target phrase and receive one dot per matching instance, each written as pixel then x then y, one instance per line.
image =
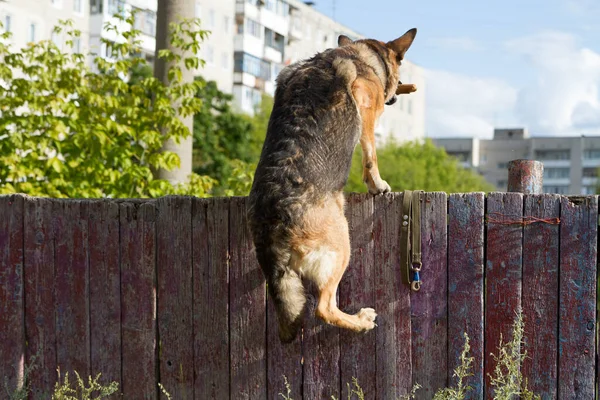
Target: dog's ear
pixel 402 44
pixel 344 40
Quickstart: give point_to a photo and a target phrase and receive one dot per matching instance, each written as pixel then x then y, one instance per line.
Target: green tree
pixel 418 166
pixel 68 130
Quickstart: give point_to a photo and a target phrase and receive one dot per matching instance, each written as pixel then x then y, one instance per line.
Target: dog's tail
pixel 286 291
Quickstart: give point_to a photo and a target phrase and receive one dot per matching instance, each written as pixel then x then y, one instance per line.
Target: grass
pixel 507 381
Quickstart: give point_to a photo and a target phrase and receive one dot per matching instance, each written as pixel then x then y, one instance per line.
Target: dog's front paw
pixel 378 187
pixel 367 318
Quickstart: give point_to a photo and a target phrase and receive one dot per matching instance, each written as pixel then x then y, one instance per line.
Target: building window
pixel 556 189
pixel 226 23
pixel 198 10
pixel 149 23
pixel 7 23
pixel 588 190
pixel 55 37
pixel 502 184
pixel 592 154
pixel 409 106
pixel 556 173
pixel 32 32
pixel 211 18
pixel 210 55
pixel 252 65
pixel 225 60
pixel 590 172
pixel 251 27
pixel 253 97
pixel 78 6
pixel 96 6
pixel 116 7
pixel 460 155
pixel 274 40
pixel 552 155
pixel 76 45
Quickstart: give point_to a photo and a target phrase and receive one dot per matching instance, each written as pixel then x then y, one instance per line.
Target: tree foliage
pixel 418 166
pixel 68 130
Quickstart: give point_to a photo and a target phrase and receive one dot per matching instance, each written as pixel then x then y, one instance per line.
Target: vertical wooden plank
pixel 503 273
pixel 429 307
pixel 577 318
pixel 105 290
pixel 71 287
pixel 357 351
pixel 321 352
pixel 211 297
pixel 465 284
pixel 392 302
pixel 175 296
pixel 138 299
pixel 247 294
pixel 12 329
pixel 39 270
pixel 540 286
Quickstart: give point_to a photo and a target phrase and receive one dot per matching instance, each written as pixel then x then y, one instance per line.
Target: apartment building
pixel 34 20
pixel 570 163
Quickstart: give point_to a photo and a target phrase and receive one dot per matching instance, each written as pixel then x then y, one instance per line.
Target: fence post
pixel 525 176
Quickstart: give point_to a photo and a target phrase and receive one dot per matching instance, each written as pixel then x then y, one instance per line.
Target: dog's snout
pixel 391 101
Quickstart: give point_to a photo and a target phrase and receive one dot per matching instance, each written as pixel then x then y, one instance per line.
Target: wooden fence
pixel 169 291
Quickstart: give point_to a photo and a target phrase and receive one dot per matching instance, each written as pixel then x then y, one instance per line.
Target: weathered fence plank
pixel 210 240
pixel 577 313
pixel 540 288
pixel 138 299
pixel 175 296
pixel 356 291
pixel 105 290
pixel 429 307
pixel 392 302
pixel 39 270
pixel 503 273
pixel 12 329
pixel 465 284
pixel 247 294
pixel 71 287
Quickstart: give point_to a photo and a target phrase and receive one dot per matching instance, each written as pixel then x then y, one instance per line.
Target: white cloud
pixel 461 105
pixel 461 43
pixel 561 99
pixel 564 97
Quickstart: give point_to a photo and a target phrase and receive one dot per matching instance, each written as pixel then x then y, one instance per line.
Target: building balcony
pixel 249 44
pixel 273 55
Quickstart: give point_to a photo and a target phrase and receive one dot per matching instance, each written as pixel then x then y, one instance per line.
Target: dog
pixel 323 107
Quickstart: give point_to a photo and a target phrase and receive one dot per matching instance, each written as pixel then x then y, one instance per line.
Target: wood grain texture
pixel 175 296
pixel 429 308
pixel 503 273
pixel 540 300
pixel 12 326
pixel 39 270
pixel 465 284
pixel 577 312
pixel 71 286
pixel 247 311
pixel 356 291
pixel 210 240
pixel 105 290
pixel 392 302
pixel 138 299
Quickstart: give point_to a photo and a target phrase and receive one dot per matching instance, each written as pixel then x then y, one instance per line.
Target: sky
pixel 492 63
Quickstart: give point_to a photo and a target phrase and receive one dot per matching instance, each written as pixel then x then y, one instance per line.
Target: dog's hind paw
pixel 367 318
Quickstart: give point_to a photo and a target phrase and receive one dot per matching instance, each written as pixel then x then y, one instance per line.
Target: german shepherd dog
pixel 323 107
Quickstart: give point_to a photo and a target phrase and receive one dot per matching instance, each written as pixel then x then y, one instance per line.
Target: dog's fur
pixel 323 107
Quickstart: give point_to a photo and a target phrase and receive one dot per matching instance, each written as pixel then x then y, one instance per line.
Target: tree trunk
pixel 172 11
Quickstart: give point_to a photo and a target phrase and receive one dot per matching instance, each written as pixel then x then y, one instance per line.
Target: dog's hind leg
pixel 322 256
pixel 287 292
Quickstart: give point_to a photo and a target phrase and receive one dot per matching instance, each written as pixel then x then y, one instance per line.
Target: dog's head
pixel 391 55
